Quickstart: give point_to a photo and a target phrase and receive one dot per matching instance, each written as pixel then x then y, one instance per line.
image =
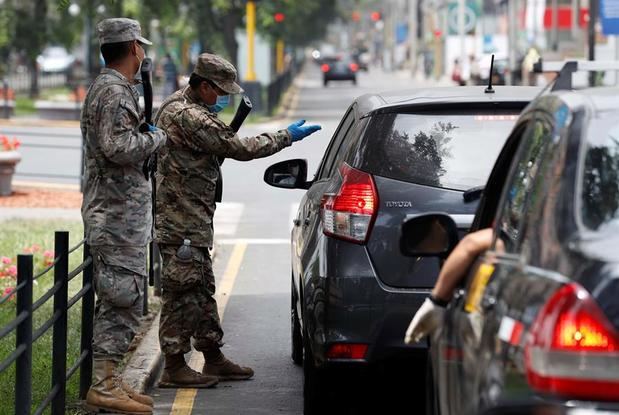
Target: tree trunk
pixel 34 77
pixel 39 19
pixel 202 15
pixel 231 21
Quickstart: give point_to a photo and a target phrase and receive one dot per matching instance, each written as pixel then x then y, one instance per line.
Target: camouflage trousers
pixel 189 308
pixel 119 272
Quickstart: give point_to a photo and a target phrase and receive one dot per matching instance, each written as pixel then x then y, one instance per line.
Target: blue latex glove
pixel 298 131
pixel 151 128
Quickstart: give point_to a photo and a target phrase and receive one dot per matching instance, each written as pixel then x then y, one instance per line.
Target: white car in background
pixel 55 59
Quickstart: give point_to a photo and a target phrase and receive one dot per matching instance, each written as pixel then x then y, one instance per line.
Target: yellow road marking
pixel 183 402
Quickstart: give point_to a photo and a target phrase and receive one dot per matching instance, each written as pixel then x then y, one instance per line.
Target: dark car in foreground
pixel 538 320
pixel 393 155
pixel 338 68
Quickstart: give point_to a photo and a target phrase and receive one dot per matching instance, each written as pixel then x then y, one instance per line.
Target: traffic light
pixel 279 17
pixel 375 16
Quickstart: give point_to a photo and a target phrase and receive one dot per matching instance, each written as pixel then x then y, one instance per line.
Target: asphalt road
pixel 257 218
pixel 253 265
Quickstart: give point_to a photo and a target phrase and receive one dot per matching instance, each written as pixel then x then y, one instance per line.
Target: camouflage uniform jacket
pixel 117 197
pixel 188 168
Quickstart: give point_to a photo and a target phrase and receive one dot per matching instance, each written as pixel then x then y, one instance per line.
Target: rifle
pixel 241 114
pixel 150 166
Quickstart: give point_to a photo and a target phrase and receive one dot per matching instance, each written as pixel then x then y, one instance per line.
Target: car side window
pixel 331 154
pixel 519 192
pixel 489 202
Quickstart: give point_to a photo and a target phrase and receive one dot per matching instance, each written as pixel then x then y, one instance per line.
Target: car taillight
pixel 350 213
pixel 354 67
pixel 347 351
pixel 572 350
pixel 324 67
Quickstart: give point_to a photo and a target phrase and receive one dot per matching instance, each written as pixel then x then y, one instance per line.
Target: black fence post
pixel 88 310
pixel 59 345
pixel 23 337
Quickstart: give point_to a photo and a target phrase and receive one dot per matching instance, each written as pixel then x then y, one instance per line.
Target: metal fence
pixel 277 88
pixel 25 336
pixel 20 82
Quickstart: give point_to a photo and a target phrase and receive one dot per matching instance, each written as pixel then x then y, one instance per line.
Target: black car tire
pixel 295 330
pixel 315 390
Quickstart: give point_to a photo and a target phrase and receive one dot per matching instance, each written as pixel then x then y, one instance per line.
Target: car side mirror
pixel 289 174
pixel 431 234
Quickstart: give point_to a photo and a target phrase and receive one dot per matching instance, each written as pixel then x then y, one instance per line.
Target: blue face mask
pixel 221 103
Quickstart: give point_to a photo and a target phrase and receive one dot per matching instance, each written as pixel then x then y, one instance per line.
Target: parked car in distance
pixel 55 59
pixel 538 320
pixel 338 68
pixel 393 155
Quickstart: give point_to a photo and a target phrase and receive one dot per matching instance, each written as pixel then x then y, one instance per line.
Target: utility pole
pixel 462 33
pixel 575 19
pixel 554 39
pixel 250 74
pixel 412 35
pixel 511 40
pixel 593 14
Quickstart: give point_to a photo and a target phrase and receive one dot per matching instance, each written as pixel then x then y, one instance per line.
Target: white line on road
pixel 227 218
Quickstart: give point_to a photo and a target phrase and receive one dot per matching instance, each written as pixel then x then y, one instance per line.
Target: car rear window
pixel 454 150
pixel 600 174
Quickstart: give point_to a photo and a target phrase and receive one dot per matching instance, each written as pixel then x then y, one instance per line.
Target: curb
pixel 143 368
pixel 38 122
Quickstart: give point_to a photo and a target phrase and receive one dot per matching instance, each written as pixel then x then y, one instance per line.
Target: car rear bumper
pixel 339 76
pixel 360 310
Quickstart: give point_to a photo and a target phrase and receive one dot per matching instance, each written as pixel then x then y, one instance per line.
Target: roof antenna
pixel 489 89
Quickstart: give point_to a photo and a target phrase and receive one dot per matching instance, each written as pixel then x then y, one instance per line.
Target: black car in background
pixel 338 68
pixel 393 155
pixel 538 320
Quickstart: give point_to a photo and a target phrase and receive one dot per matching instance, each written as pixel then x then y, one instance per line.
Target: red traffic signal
pixel 375 16
pixel 279 17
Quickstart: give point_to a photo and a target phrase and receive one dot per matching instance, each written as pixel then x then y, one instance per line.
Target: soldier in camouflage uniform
pixel 187 173
pixel 117 208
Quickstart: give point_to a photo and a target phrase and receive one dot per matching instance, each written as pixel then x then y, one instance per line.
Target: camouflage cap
pixel 120 29
pixel 218 70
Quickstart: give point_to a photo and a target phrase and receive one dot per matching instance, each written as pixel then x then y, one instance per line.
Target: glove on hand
pixel 147 128
pixel 298 131
pixel 425 321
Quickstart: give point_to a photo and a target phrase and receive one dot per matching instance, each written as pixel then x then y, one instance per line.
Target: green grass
pixel 15 236
pixel 24 106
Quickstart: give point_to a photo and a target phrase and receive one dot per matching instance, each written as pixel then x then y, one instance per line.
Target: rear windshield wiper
pixel 472 194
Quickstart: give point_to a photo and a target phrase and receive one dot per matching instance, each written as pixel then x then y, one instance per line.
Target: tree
pixel 31 14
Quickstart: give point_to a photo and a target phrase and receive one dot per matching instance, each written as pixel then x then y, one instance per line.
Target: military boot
pixel 177 374
pixel 137 396
pixel 216 364
pixel 106 395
